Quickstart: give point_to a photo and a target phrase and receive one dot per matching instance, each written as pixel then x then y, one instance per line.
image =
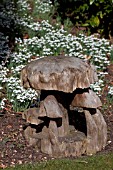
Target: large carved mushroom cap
pixel 60 73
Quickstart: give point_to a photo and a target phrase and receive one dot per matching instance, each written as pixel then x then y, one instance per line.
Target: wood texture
pixel 101 129
pixel 92 134
pixel 60 73
pixel 86 99
pixel 53 126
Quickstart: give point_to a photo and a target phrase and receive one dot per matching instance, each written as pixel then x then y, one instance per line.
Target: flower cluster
pixel 43 6
pixel 2 103
pixel 46 40
pixel 110 92
pixel 23 12
pixel 19 97
pixel 52 41
pixel 3 74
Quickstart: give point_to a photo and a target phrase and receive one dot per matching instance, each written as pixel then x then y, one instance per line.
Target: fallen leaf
pixel 2 166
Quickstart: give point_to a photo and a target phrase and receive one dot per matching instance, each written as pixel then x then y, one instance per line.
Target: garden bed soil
pixel 15 150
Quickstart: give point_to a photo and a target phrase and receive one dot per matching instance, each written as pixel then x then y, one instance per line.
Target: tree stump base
pixel 56 136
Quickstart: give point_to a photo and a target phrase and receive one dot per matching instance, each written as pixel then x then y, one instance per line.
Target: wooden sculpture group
pixel 68 121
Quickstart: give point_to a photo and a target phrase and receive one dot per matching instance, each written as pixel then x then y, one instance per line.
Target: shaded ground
pixel 13 147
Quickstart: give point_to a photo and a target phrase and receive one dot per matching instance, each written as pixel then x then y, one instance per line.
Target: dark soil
pixel 13 147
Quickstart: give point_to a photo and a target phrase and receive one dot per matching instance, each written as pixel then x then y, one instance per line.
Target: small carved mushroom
pixel 50 108
pixel 86 100
pixel 96 125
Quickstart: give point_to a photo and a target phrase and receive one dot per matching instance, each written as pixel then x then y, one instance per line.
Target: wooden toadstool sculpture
pixel 96 125
pixel 64 83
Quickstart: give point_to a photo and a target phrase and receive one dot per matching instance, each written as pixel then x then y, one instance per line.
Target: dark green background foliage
pixel 4 48
pixel 9 26
pixel 95 15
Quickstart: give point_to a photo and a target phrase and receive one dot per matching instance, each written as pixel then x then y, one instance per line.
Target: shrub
pixel 95 15
pixel 9 26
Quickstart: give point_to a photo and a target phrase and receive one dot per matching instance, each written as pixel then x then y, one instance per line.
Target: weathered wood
pixel 42 110
pixel 73 144
pixel 60 73
pixel 101 129
pixel 86 99
pixel 92 74
pixel 52 107
pixel 52 132
pixel 53 128
pixel 63 129
pixel 58 140
pixel 31 115
pixel 92 134
pixel 28 133
pixel 45 142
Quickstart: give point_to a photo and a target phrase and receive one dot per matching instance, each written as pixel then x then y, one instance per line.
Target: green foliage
pixel 10 27
pixel 111 56
pixel 4 48
pixel 42 10
pixel 98 162
pixel 95 15
pixel 110 98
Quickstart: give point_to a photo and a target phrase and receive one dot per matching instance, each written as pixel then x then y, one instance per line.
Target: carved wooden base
pixel 53 134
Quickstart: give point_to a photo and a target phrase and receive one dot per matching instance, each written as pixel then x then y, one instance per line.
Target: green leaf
pixel 85 25
pixel 94 21
pixel 91 2
pixel 101 15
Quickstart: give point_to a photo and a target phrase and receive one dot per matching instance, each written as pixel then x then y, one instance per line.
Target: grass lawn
pixel 97 162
